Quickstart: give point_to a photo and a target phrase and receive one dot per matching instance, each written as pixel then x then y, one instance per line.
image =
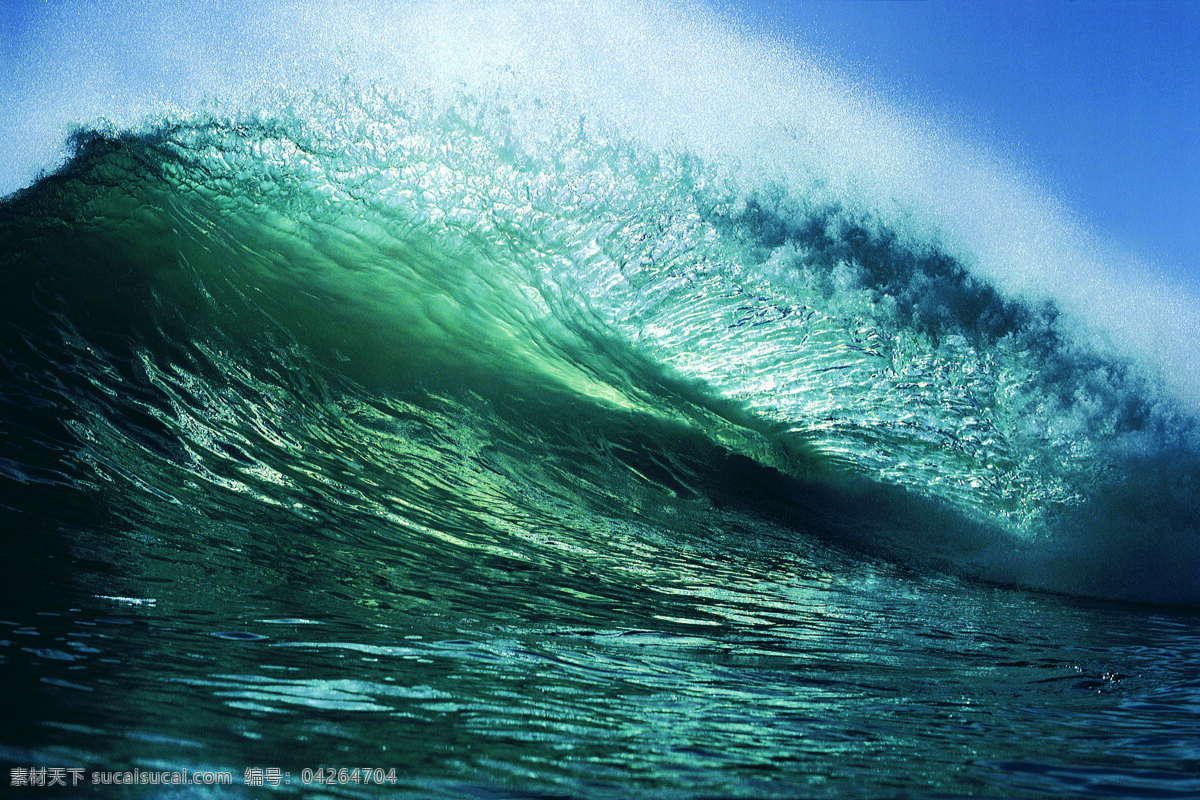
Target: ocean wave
pixel 202 298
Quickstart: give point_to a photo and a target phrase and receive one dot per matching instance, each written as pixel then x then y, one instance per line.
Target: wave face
pixel 390 352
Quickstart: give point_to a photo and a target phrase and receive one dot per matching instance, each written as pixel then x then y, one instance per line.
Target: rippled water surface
pixel 720 659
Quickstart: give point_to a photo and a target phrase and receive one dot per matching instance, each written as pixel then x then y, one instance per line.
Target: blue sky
pixel 1098 100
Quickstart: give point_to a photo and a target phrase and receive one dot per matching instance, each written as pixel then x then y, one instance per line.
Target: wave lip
pixel 672 76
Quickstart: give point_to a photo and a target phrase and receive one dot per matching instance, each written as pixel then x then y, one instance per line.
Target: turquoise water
pixel 520 451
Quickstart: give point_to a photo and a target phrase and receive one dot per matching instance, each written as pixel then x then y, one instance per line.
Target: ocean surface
pixel 555 416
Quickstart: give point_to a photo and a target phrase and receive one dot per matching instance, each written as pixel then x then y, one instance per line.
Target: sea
pixel 549 401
